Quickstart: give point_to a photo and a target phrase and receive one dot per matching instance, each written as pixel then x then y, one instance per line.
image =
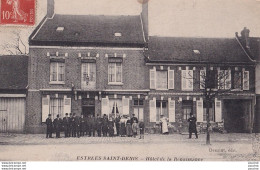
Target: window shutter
pixel 152 110
pixel 45 108
pixel 141 114
pixel 245 80
pixel 152 79
pixel 170 79
pixel 105 106
pixel 202 79
pixel 189 74
pixel 171 104
pixel 67 105
pixel 199 108
pixel 183 79
pixel 125 106
pixel 218 111
pixel 228 79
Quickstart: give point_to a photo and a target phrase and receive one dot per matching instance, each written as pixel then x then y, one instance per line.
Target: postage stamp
pixel 17 12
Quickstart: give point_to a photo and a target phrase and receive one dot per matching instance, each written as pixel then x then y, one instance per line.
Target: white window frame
pixel 115 82
pixel 167 87
pixel 57 81
pixel 246 81
pixel 187 81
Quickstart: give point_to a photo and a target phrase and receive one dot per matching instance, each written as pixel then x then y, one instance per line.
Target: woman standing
pixel 122 126
pixel 129 131
pixel 164 124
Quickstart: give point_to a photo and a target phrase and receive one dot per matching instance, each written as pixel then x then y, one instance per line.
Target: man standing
pixel 77 121
pixel 192 126
pixel 134 119
pixel 57 125
pixel 99 125
pixel 49 127
pixel 70 125
pixel 74 125
pixel 105 125
pixel 117 122
pixel 82 125
pixel 66 124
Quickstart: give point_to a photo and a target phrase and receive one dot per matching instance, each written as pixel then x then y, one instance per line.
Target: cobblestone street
pixel 32 147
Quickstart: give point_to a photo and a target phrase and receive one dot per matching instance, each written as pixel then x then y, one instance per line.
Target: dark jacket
pixel 57 124
pixel 66 122
pixel 49 123
pixel 192 124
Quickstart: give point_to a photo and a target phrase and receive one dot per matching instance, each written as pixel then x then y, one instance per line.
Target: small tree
pixel 215 83
pixel 16 44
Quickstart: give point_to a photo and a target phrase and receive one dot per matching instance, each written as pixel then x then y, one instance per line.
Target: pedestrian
pixel 134 119
pixel 82 125
pixel 57 125
pixel 77 122
pixel 129 131
pixel 135 128
pixel 141 127
pixel 117 123
pixel 49 127
pixel 105 125
pixel 70 125
pixel 192 126
pixel 123 125
pixel 99 125
pixel 89 125
pixel 164 125
pixel 74 125
pixel 66 124
pixel 111 127
pixel 93 125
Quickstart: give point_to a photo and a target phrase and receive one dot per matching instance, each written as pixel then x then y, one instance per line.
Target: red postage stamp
pixel 17 12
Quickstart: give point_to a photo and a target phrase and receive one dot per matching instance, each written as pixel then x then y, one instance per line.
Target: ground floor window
pixel 187 108
pixel 161 109
pixel 211 112
pixel 57 107
pixel 115 107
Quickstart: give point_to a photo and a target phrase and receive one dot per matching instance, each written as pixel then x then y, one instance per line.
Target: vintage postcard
pixel 131 80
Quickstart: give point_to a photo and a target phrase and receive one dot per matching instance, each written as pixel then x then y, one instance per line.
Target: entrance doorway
pixel 236 115
pixel 88 110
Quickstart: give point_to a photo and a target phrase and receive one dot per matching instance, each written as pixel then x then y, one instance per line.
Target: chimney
pixel 245 37
pixel 144 16
pixel 50 8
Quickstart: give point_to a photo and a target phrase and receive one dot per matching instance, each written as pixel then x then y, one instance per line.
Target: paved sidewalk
pixel 39 139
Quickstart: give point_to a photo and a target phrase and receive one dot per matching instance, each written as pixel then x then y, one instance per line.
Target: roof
pixel 13 72
pixel 181 49
pixel 96 30
pixel 254 44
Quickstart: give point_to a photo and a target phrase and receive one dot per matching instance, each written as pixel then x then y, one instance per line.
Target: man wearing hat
pixel 70 125
pixel 82 121
pixel 49 127
pixel 57 125
pixel 74 125
pixel 192 126
pixel 99 125
pixel 66 124
pixel 105 125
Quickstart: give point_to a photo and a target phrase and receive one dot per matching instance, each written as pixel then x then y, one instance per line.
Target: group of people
pixel 192 125
pixel 75 126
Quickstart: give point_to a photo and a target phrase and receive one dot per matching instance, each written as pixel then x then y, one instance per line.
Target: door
pixel 3 121
pixel 187 106
pixel 88 110
pixel 12 114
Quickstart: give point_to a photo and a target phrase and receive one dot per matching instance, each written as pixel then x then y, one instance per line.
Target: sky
pixel 175 18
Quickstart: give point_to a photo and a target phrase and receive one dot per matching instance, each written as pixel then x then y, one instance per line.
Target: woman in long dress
pixel 129 131
pixel 122 126
pixel 164 123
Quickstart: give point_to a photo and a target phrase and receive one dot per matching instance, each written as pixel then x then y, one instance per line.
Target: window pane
pixel 61 71
pixel 237 80
pixel 111 72
pixel 161 79
pixel 141 102
pixel 136 102
pixel 92 72
pixel 53 71
pixel 118 72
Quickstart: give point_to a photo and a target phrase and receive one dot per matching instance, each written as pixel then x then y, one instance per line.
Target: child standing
pixel 135 128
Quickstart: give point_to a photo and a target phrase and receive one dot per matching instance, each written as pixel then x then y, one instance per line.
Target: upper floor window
pixel 57 71
pixel 115 70
pixel 237 80
pixel 224 79
pixel 161 79
pixel 245 80
pixel 187 79
pixel 88 75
